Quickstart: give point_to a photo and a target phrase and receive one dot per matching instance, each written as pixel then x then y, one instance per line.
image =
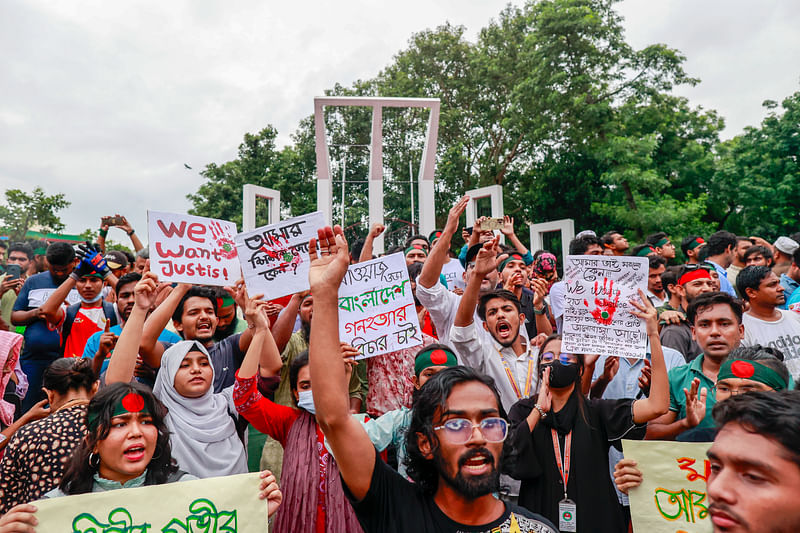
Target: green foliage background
pixel 552 103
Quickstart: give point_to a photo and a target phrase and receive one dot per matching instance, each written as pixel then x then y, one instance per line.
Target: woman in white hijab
pixel 203 433
pixel 202 430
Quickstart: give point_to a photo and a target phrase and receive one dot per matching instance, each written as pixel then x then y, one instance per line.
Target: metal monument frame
pixel 566 226
pixel 252 192
pixel 495 194
pixel 427 167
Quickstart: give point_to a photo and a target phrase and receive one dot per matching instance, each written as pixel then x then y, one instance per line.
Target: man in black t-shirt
pixel 454 440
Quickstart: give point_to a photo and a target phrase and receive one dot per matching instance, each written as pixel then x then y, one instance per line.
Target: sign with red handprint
pixel 597 318
pixel 274 258
pixel 190 249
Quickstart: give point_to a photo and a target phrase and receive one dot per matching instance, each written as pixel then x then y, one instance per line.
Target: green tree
pixel 258 162
pixel 23 211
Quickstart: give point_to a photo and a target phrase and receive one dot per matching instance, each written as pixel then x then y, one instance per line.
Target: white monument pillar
pixel 566 226
pixel 249 195
pixel 495 194
pixel 427 213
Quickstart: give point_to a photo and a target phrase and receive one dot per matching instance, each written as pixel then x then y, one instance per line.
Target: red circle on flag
pixel 742 369
pixel 132 402
pixel 438 357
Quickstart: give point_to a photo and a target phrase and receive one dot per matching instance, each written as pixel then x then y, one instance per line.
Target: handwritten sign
pixel 597 317
pixel 274 258
pixel 376 307
pixel 672 496
pixel 190 249
pixel 215 505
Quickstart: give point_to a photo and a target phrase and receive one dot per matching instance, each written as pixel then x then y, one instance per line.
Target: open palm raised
pixel 329 267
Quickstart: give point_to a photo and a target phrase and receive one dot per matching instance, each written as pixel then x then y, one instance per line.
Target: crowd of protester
pixel 113 378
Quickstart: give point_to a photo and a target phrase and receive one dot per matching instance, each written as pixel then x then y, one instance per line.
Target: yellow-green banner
pixel 672 497
pixel 213 505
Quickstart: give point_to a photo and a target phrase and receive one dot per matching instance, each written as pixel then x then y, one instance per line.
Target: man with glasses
pixel 693 280
pixel 454 441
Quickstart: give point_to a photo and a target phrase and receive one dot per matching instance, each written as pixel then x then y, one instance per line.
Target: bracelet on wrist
pixel 538 311
pixel 131 232
pixel 103 233
pixel 542 413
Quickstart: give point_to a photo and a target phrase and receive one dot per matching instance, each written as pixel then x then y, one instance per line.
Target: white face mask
pixel 96 298
pixel 306 401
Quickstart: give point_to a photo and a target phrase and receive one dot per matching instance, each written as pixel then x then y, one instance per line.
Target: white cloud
pixel 105 101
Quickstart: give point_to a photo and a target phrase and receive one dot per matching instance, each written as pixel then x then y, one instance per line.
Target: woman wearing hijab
pixel 203 432
pixel 314 500
pixel 127 445
pixel 560 440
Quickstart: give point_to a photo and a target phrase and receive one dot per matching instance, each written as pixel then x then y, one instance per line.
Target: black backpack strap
pixel 69 318
pixel 110 312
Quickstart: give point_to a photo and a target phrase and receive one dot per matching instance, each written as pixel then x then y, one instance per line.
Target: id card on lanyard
pixel 513 381
pixel 567 510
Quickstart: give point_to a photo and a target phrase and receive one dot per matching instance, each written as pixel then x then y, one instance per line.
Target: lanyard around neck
pixel 510 375
pixel 563 468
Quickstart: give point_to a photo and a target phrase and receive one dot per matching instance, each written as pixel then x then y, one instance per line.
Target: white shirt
pixel 655 300
pixel 783 334
pixel 486 355
pixel 558 300
pixel 442 306
pixel 453 272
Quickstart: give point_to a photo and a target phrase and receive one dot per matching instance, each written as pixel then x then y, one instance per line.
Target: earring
pixel 91 457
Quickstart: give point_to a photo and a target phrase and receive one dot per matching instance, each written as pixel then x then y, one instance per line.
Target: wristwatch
pixel 539 311
pixel 542 414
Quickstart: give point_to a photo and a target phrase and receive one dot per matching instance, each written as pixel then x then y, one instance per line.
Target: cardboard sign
pixel 190 249
pixel 221 504
pixel 597 317
pixel 672 496
pixel 274 258
pixel 376 307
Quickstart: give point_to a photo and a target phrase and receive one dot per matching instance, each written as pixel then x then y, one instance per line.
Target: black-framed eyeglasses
pixel 734 391
pixel 459 430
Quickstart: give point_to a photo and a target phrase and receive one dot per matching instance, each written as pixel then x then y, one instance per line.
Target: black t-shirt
pixel 394 504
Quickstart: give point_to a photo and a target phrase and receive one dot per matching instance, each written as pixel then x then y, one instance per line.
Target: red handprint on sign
pixel 226 246
pixel 605 308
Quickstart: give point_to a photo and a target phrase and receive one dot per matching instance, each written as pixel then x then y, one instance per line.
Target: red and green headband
pixel 644 252
pixel 695 243
pixel 753 370
pixel 691 275
pixel 414 247
pixel 434 357
pixel 661 243
pixel 132 402
pixel 507 260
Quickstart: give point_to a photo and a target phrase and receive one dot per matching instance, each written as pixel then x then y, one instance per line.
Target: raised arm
pixel 51 309
pixel 508 231
pixel 127 228
pixel 349 442
pixel 485 262
pixel 282 328
pixel 123 360
pixel 366 250
pixel 262 338
pixel 150 349
pixel 657 404
pixel 432 268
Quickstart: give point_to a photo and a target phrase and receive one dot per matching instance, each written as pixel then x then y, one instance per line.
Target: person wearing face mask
pixel 314 500
pixel 83 319
pixel 561 440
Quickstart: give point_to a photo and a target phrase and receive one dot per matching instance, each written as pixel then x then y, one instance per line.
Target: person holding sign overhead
pixel 127 445
pixel 561 439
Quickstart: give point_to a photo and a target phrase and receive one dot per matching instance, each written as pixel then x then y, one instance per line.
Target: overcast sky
pixel 106 101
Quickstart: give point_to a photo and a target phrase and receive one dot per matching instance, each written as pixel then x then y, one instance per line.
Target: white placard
pixel 274 258
pixel 597 317
pixel 376 307
pixel 190 249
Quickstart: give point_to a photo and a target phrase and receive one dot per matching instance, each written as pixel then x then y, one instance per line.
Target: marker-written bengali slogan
pixel 274 258
pixel 597 318
pixel 376 307
pixel 190 249
pixel 672 496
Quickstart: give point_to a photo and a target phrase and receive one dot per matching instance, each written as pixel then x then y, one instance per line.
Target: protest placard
pixel 672 496
pixel 215 505
pixel 597 318
pixel 190 249
pixel 274 258
pixel 376 307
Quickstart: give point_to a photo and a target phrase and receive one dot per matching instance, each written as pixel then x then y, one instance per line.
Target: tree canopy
pixel 23 211
pixel 552 103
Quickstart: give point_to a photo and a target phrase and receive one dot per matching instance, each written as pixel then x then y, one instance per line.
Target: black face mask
pixel 561 375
